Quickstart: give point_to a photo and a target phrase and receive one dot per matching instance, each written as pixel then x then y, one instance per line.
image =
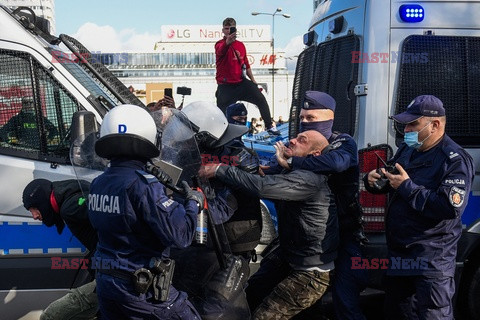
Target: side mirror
pixel 83 123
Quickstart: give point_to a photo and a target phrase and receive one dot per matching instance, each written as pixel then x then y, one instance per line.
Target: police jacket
pixel 423 220
pixel 244 227
pixel 72 205
pixel 340 163
pixel 307 217
pixel 135 221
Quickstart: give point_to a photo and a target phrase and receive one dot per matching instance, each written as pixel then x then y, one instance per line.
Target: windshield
pixel 94 87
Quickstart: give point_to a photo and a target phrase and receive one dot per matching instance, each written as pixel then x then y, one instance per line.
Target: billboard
pixel 213 33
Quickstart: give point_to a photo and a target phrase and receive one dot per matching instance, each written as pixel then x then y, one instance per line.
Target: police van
pixel 64 81
pixel 374 57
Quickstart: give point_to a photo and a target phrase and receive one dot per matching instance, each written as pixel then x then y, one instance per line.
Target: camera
pixel 168 92
pixel 184 91
pixel 233 30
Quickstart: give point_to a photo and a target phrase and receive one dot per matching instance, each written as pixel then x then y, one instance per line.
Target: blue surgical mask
pixel 324 127
pixel 411 138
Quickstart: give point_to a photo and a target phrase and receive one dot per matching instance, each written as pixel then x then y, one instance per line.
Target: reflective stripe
pixel 35 238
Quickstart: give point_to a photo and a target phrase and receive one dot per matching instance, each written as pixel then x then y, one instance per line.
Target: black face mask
pixel 240 123
pixel 324 127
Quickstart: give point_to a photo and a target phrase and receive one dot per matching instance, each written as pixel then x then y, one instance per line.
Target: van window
pixel 332 72
pixel 35 110
pixel 449 68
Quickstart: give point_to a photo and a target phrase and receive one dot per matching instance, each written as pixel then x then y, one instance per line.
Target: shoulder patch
pixel 456 196
pixel 146 177
pixel 452 155
pixel 336 144
pixel 339 140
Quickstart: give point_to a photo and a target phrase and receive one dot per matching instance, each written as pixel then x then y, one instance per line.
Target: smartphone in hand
pixel 167 92
pixel 233 30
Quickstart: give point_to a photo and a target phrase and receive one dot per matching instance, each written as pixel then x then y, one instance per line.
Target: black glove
pixel 191 194
pixel 161 175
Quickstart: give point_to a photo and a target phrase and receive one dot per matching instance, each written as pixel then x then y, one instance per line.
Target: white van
pixel 374 57
pixel 62 79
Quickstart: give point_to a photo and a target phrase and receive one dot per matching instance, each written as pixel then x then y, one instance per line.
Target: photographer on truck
pixel 428 195
pixel 232 71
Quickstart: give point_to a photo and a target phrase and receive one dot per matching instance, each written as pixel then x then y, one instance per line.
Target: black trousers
pixel 246 90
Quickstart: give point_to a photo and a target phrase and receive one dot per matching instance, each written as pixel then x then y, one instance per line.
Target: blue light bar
pixel 411 12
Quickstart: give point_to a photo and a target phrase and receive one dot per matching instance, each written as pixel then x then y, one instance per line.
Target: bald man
pixel 297 273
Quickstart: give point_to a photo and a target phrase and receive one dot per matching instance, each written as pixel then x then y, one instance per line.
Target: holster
pixel 162 270
pixel 142 279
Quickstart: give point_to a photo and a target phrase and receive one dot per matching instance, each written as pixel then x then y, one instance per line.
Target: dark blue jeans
pixel 419 297
pixel 348 282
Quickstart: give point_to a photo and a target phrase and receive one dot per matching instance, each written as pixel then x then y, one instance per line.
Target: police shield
pixel 83 156
pixel 179 155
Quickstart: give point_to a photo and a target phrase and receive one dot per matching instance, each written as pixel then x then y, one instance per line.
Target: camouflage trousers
pixel 298 291
pixel 79 304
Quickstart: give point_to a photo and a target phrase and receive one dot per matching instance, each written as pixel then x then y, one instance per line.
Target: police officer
pixel 237 114
pixel 136 222
pixel 428 193
pixel 22 128
pixel 341 164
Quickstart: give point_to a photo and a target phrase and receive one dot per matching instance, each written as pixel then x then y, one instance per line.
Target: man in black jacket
pixel 59 203
pixel 298 273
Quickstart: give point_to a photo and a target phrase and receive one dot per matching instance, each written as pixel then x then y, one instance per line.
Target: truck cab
pixel 374 57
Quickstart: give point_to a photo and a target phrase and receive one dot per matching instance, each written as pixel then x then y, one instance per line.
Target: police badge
pixel 456 197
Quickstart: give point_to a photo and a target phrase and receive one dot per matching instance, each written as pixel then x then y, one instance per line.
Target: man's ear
pixel 316 152
pixel 436 124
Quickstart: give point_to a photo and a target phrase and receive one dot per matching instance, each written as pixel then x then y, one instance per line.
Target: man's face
pixel 315 115
pixel 242 119
pixel 35 214
pixel 28 107
pixel 226 29
pixel 304 144
pixel 421 126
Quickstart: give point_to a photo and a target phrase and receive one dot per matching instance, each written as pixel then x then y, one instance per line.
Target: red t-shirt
pixel 229 69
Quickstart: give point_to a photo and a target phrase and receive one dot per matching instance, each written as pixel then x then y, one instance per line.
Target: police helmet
pixel 211 125
pixel 128 130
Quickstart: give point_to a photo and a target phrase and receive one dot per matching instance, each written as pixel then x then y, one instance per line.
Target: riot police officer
pixel 137 223
pixel 244 227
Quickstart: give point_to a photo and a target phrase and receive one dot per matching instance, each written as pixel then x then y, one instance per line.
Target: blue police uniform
pixel 423 225
pixel 136 221
pixel 340 161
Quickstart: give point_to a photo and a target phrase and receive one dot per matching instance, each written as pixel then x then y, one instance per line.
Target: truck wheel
pixel 473 295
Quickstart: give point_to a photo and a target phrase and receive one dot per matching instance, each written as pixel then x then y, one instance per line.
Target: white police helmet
pixel 211 124
pixel 128 130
